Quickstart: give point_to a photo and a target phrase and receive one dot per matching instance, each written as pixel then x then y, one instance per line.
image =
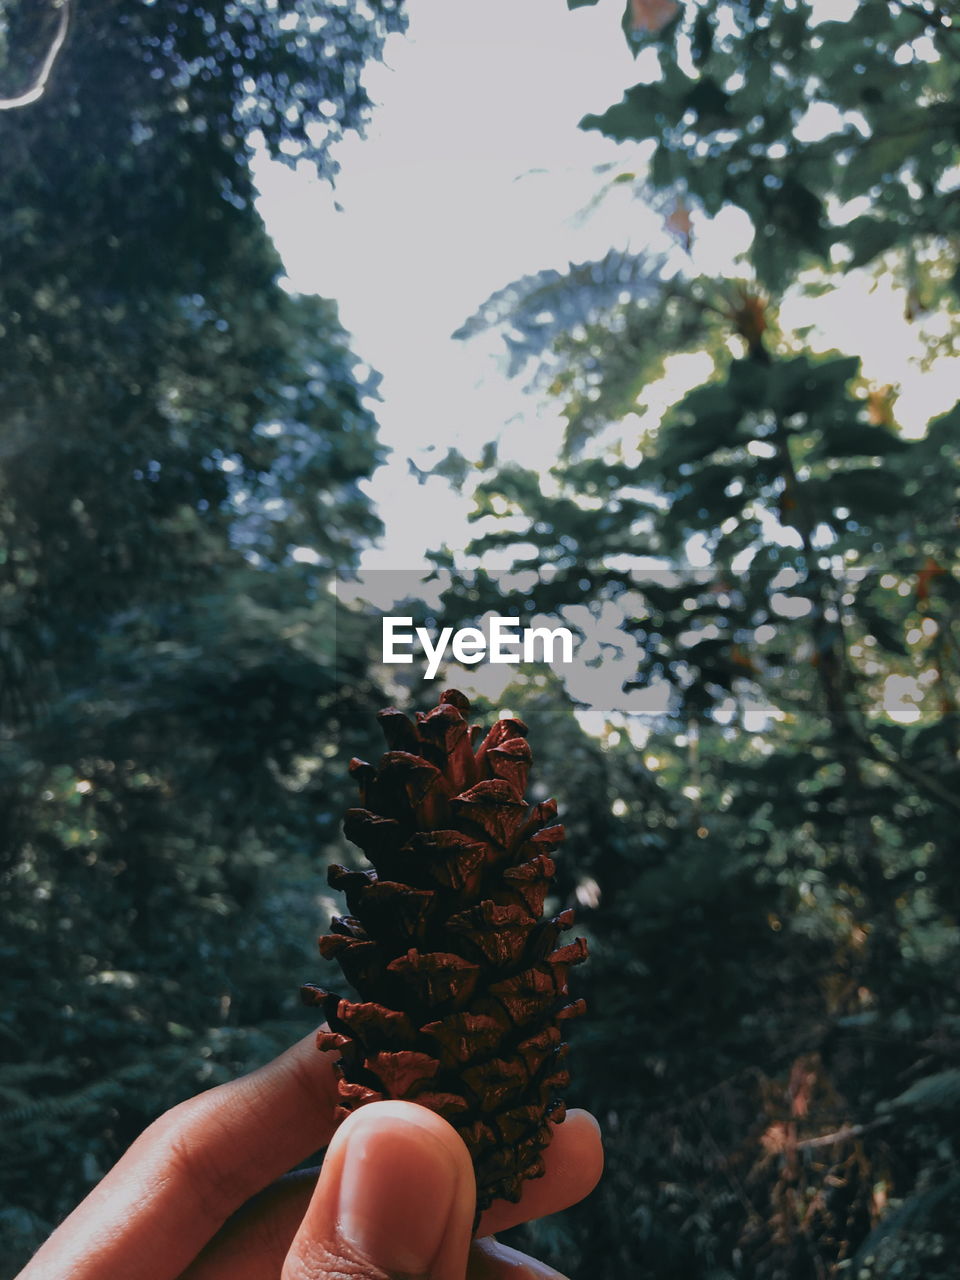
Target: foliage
pixel 766 870
pixel 775 923
pixel 182 443
pixel 791 114
pixel 561 325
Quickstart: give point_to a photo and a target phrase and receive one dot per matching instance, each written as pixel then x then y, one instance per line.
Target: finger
pixel 188 1171
pixel 258 1250
pixel 491 1260
pixel 395 1197
pixel 255 1242
pixel 574 1163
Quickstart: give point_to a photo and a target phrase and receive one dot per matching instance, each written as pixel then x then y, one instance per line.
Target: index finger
pixel 254 1244
pixel 183 1177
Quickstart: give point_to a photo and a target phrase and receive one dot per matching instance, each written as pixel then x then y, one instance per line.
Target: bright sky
pixel 473 174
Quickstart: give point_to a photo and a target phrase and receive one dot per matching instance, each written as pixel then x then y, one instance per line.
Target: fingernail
pixel 397 1190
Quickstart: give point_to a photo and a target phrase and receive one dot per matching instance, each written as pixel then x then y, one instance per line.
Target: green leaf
pixel 883 630
pixel 903 1232
pixel 701 44
pixel 711 104
pixel 749 382
pixel 940 1092
pixel 802 385
pixel 639 115
pixel 870 236
pixel 867 492
pixel 851 438
pixel 800 212
pixel 874 159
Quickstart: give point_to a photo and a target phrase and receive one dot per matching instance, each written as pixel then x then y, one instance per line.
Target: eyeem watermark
pixel 503 641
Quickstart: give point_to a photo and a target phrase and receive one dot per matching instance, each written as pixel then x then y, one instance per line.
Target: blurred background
pixel 643 320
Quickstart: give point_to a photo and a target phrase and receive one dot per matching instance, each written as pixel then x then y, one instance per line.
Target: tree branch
pixel 843 1135
pixel 37 89
pixel 916 776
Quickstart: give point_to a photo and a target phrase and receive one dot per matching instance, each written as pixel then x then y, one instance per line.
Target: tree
pixel 182 445
pixel 786 558
pixel 792 114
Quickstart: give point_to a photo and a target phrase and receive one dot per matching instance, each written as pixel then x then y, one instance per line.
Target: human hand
pixel 395 1196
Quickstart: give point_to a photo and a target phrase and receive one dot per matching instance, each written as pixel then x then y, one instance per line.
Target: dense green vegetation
pixel 175 425
pixel 771 880
pixel 767 869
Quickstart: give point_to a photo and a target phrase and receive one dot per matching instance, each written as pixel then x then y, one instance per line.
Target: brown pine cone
pixel 462 987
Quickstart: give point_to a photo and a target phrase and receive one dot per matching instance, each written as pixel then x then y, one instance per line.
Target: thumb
pixel 395 1199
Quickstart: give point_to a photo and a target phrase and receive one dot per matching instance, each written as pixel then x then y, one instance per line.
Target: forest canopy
pixel 771 873
pixel 765 867
pixel 175 426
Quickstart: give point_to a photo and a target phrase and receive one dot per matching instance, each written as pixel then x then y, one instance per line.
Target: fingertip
pixel 491 1260
pixel 406 1119
pixel 396 1192
pixel 573 1166
pixel 309 1071
pixel 581 1139
pixel 579 1116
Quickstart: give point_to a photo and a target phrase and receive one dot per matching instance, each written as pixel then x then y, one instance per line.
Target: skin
pixel 203 1193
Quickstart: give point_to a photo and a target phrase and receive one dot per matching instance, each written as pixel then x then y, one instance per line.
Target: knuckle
pixel 215 1186
pixel 317 1085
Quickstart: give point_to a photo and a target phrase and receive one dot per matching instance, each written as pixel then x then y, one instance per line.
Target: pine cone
pixel 462 988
